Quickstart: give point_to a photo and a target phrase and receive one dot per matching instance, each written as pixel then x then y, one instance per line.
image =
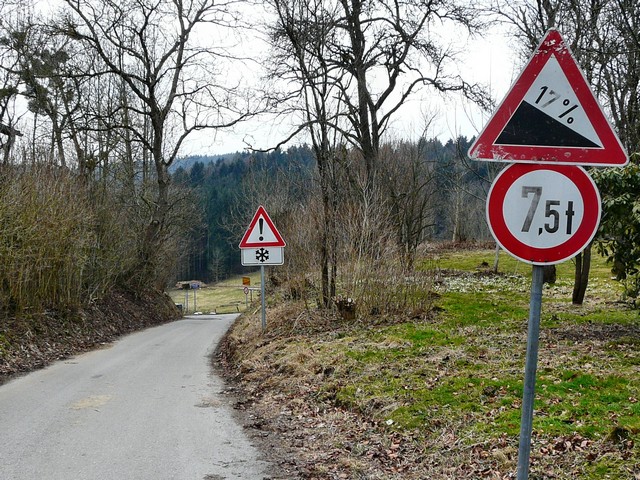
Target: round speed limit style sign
pixel 543 214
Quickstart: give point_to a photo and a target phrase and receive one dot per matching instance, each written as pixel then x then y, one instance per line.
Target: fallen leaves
pixel 331 422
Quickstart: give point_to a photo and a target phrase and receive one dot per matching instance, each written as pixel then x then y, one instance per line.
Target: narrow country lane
pixel 147 407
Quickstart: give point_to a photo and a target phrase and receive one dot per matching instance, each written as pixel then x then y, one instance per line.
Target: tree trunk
pixel 549 275
pixel 152 240
pixel 57 132
pixel 581 278
pixel 327 257
pixel 324 267
pixel 457 215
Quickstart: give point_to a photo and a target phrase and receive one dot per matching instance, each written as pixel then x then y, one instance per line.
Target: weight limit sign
pixel 543 214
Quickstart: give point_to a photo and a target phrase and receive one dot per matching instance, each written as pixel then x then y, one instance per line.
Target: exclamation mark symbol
pixel 261 226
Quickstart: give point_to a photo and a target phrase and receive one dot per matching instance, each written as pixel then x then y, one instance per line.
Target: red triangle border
pixel 261 212
pixel 612 153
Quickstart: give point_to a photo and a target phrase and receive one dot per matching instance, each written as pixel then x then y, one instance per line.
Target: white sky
pixel 489 61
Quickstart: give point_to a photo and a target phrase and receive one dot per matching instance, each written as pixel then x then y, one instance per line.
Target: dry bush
pixel 46 237
pixel 123 213
pixel 389 291
pixel 115 242
pixel 383 287
pixel 66 241
pixel 373 275
pixel 371 278
pixel 363 247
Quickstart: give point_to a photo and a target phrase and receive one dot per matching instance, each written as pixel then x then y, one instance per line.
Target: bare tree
pixel 300 40
pixel 9 81
pixel 153 48
pixel 354 64
pixel 8 93
pixel 617 51
pixel 389 52
pixel 57 78
pixel 410 183
pixel 467 185
pixel 50 81
pixel 378 54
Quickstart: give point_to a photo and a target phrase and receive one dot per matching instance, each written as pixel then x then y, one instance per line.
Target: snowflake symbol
pixel 262 255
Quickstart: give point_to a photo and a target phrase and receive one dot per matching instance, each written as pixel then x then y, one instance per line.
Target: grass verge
pixel 439 396
pixel 223 297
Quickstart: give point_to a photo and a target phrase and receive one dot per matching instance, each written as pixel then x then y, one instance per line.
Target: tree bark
pixel 581 278
pixel 549 275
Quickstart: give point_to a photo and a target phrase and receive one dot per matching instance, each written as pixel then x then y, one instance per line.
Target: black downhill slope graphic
pixel 530 126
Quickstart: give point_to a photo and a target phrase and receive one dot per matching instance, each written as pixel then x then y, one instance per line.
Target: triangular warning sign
pixel 550 115
pixel 262 232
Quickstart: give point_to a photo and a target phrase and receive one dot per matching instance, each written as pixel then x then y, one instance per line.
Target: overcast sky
pixel 490 61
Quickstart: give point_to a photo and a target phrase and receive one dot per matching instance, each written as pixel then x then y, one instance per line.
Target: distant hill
pixel 187 162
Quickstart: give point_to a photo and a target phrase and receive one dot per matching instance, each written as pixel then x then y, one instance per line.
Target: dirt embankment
pixel 32 341
pixel 277 391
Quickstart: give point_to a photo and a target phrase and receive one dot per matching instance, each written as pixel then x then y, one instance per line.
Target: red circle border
pixel 559 253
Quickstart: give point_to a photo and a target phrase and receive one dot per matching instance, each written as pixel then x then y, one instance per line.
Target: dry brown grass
pixel 336 396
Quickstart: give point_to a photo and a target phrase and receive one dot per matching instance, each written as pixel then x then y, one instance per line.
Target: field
pixel 223 297
pixel 438 396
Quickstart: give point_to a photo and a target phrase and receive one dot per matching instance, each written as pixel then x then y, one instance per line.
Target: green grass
pixel 482 310
pixel 224 297
pixel 465 368
pixel 602 316
pixel 473 260
pixel 590 404
pixel 458 373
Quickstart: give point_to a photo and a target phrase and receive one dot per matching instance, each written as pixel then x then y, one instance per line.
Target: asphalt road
pixel 145 407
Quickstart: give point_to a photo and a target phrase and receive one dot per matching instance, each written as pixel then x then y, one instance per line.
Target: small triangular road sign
pixel 262 232
pixel 550 115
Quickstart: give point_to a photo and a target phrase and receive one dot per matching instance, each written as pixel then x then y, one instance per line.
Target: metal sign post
pixel 541 215
pixel 547 212
pixel 531 365
pixel 262 245
pixel 262 299
pixel 195 306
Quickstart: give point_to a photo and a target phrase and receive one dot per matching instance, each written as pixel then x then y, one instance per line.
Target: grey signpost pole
pixel 262 245
pixel 195 304
pixel 508 137
pixel 531 364
pixel 262 299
